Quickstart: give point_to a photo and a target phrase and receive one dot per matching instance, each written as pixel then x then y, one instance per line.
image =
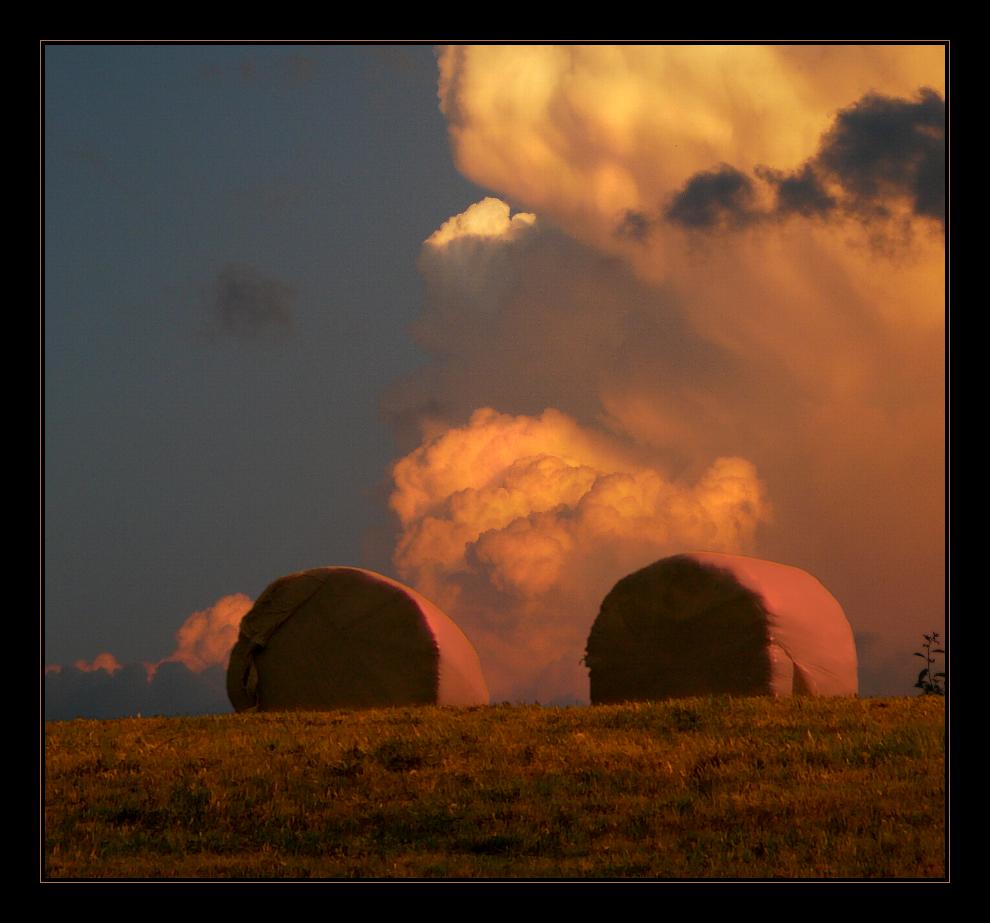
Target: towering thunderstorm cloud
pixel 725 289
pixel 515 523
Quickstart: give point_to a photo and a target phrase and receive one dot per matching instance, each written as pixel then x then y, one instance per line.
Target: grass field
pixel 697 788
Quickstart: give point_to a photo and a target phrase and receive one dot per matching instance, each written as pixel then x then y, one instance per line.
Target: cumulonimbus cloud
pixel 810 348
pixel 515 524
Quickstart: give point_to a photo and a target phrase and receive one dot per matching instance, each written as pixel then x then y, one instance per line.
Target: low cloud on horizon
pixel 189 681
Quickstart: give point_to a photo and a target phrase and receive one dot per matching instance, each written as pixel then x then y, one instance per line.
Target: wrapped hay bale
pixel 339 637
pixel 706 624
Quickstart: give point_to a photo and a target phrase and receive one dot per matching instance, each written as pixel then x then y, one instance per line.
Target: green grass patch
pixel 719 787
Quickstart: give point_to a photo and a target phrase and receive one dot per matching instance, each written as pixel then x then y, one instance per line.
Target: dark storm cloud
pixel 720 198
pixel 882 146
pixel 174 690
pixel 248 304
pixel 800 193
pixel 878 150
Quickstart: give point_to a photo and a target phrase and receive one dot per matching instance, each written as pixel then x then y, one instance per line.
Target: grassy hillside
pixel 695 788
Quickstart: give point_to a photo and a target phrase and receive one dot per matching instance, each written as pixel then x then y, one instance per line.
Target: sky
pixel 503 323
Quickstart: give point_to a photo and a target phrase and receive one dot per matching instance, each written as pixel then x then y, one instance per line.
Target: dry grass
pixel 698 788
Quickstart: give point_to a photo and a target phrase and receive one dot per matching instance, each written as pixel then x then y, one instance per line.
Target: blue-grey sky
pixel 189 452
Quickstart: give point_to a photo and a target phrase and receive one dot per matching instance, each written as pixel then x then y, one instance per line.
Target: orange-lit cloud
pixel 189 681
pixel 207 636
pixel 514 525
pixel 103 661
pixel 487 218
pixel 582 133
pixel 777 296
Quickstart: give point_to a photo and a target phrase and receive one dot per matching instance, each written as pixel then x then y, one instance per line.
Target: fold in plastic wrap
pixel 338 637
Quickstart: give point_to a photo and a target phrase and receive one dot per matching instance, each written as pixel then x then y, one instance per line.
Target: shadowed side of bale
pixel 334 638
pixel 271 610
pixel 678 628
pixel 242 677
pixel 354 644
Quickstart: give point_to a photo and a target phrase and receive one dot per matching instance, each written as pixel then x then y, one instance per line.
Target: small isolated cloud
pixel 104 661
pixel 488 218
pixel 245 303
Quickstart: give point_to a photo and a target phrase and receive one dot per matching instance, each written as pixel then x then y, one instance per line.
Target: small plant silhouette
pixel 928 682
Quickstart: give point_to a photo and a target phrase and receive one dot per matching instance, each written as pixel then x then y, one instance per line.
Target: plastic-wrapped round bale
pixel 341 637
pixel 706 623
